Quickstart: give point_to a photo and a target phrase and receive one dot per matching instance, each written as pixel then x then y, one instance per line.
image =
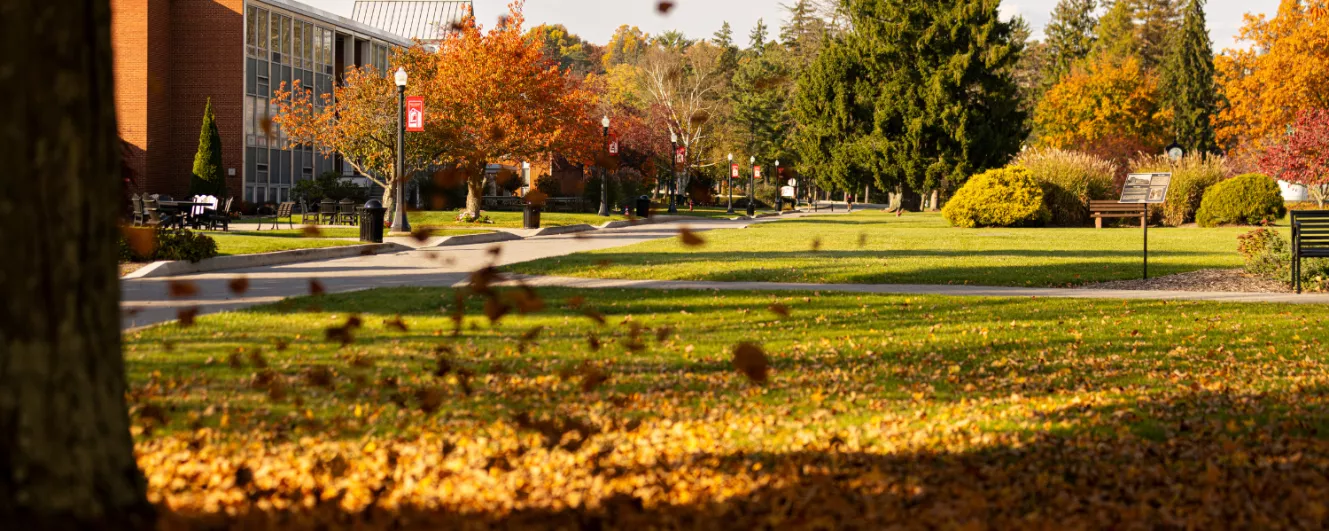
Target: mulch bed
pixel 1226 280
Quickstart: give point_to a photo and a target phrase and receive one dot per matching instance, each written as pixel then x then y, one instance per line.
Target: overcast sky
pixel 595 20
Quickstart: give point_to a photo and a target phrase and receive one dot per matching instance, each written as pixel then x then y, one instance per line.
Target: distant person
pixel 849 202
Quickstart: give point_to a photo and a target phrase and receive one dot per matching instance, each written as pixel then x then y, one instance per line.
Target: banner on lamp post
pixel 613 144
pixel 681 155
pixel 415 114
pixel 733 170
pixel 756 172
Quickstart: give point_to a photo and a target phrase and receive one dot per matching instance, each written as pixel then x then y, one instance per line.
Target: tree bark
pixel 475 193
pixel 66 454
pixel 934 203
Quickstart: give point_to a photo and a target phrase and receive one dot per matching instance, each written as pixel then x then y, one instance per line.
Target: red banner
pixel 681 154
pixel 756 172
pixel 415 114
pixel 733 170
pixel 613 145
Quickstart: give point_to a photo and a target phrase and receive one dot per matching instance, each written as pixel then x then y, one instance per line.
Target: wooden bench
pixel 1310 239
pixel 1112 209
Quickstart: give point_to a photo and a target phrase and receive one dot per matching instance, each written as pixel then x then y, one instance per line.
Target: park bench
pixel 1112 209
pixel 1310 239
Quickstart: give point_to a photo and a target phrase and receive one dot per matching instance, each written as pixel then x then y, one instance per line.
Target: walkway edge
pixel 923 289
pixel 470 239
pixel 170 268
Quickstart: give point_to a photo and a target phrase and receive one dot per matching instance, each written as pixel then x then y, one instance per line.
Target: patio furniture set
pixel 328 212
pixel 198 212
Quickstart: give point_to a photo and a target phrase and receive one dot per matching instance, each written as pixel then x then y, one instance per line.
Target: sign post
pixel 415 114
pixel 1146 189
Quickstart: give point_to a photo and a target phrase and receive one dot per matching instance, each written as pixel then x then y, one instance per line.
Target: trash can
pixel 371 222
pixel 643 206
pixel 530 216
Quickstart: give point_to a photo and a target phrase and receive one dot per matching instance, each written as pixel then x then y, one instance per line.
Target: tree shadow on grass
pixel 1190 459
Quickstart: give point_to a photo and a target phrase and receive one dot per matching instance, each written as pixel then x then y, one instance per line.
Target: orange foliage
pixel 1283 72
pixel 1108 108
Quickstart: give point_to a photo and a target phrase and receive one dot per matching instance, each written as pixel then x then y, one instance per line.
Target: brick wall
pixel 207 61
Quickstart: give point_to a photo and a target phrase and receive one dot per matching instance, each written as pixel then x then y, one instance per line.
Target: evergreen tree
pixel 833 107
pixel 803 34
pixel 758 97
pixel 1188 82
pixel 208 178
pixel 757 38
pixel 724 38
pixel 1157 21
pixel 1070 37
pixel 1116 34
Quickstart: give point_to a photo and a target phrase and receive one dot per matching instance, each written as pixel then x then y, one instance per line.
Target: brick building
pixel 171 56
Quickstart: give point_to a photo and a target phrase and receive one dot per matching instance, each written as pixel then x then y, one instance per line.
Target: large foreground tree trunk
pixel 66 455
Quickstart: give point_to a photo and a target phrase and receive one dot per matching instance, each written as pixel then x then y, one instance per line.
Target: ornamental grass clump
pixel 1191 176
pixel 1069 180
pixel 1250 199
pixel 1004 197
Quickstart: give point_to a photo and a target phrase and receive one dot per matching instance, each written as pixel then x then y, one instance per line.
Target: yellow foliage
pixel 1108 107
pixel 1285 70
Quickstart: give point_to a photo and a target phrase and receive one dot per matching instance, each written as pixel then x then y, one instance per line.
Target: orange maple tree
pixel 501 99
pixel 1109 107
pixel 1283 72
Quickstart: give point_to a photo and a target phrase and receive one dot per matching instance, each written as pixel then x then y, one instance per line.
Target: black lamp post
pixel 779 188
pixel 673 171
pixel 752 184
pixel 604 172
pixel 399 222
pixel 730 181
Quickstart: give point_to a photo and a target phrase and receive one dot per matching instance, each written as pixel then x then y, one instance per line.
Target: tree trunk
pixel 66 454
pixel 867 194
pixel 388 200
pixel 475 193
pixel 934 202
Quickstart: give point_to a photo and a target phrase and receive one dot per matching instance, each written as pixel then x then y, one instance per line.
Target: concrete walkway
pixel 147 301
pixel 925 289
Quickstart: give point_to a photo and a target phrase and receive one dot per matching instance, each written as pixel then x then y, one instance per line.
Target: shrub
pixel 1191 176
pixel 1248 199
pixel 1002 197
pixel 1267 254
pixel 172 244
pixel 1069 180
pixel 549 185
pixel 328 185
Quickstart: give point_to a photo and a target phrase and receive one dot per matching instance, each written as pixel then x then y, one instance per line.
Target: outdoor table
pixel 183 211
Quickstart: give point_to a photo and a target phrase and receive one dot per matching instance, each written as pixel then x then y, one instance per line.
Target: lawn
pixel 242 242
pixel 507 220
pixel 917 248
pixel 624 409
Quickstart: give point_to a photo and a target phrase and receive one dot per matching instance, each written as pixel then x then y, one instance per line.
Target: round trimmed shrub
pixel 1249 199
pixel 1004 197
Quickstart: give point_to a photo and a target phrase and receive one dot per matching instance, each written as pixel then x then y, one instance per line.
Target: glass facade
pixel 282 48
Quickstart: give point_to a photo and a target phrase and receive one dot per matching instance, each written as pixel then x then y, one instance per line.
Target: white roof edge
pixel 336 20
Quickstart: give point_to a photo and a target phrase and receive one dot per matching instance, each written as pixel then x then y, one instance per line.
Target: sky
pixel 595 20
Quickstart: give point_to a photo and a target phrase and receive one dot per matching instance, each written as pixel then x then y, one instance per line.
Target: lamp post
pixel 673 170
pixel 779 189
pixel 730 180
pixel 752 183
pixel 604 172
pixel 399 222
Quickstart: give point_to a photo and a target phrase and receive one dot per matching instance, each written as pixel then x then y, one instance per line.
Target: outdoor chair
pixel 156 218
pixel 136 207
pixel 346 212
pixel 327 211
pixel 220 216
pixel 284 210
pixel 308 214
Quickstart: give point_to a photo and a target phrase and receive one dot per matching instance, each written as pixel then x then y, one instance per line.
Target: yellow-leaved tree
pixel 1283 72
pixel 1110 107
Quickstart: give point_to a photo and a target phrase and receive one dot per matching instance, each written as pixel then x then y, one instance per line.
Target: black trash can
pixel 643 206
pixel 371 222
pixel 530 216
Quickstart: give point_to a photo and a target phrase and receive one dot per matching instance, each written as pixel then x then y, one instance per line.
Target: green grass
pixel 1008 410
pixel 243 243
pixel 875 247
pixel 507 220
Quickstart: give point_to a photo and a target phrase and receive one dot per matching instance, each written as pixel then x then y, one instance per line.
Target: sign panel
pixel 756 172
pixel 415 113
pixel 1148 188
pixel 787 191
pixel 681 154
pixel 733 170
pixel 613 145
pixel 792 182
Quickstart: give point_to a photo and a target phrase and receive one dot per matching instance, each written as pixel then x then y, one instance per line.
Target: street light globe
pixel 400 77
pixel 777 162
pixel 605 121
pixel 752 159
pixel 673 137
pixel 731 157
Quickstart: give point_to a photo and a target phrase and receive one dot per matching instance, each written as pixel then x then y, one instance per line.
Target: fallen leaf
pixel 238 285
pixel 751 361
pixel 689 238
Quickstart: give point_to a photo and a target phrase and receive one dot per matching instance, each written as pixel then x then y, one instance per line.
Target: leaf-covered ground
pixel 917 248
pixel 735 411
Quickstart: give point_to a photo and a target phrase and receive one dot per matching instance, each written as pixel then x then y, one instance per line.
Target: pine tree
pixel 1116 35
pixel 759 98
pixel 833 107
pixel 757 38
pixel 208 178
pixel 1070 37
pixel 1157 21
pixel 804 33
pixel 724 38
pixel 1188 82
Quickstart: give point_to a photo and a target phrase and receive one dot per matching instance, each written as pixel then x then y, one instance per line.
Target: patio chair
pixel 156 217
pixel 327 211
pixel 346 212
pixel 308 214
pixel 284 210
pixel 136 210
pixel 220 216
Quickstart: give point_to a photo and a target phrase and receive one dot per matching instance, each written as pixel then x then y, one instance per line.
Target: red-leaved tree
pixel 1303 156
